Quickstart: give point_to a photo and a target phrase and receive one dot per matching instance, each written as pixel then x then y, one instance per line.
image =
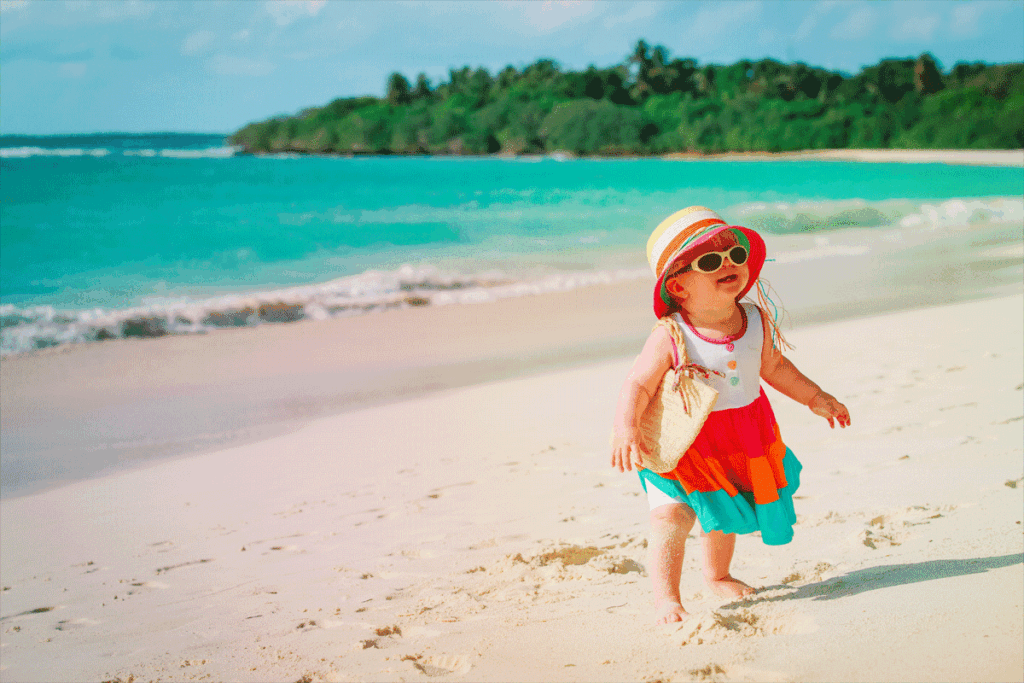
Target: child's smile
pixel 732 277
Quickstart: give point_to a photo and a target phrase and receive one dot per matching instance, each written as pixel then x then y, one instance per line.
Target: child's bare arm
pixel 782 375
pixel 642 383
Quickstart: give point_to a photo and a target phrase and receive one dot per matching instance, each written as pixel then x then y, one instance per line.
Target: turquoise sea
pixel 109 236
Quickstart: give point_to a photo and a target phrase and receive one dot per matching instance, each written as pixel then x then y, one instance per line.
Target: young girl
pixel 738 476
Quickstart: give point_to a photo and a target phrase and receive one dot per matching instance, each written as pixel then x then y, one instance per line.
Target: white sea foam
pixel 209 153
pixel 29 152
pixel 26 152
pixel 962 213
pixel 24 329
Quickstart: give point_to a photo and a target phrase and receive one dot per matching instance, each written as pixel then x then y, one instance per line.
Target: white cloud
pixel 198 42
pixel 286 12
pixel 964 21
pixel 228 65
pixel 967 18
pixel 915 28
pixel 113 10
pixel 818 11
pixel 13 5
pixel 718 21
pixel 641 10
pixel 548 15
pixel 241 35
pixel 858 24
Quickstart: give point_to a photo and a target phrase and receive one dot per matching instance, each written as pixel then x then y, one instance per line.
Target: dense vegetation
pixel 650 104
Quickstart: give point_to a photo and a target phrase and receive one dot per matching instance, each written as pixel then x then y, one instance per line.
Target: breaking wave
pixel 805 217
pixel 25 329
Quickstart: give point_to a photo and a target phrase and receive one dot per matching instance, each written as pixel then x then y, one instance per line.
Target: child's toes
pixel 670 613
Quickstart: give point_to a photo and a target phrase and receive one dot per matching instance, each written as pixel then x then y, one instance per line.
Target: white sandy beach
pixel 479 534
pixel 965 157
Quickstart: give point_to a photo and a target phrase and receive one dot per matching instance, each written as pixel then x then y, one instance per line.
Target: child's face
pixel 696 291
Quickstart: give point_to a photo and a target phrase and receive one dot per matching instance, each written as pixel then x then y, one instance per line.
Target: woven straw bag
pixel 678 409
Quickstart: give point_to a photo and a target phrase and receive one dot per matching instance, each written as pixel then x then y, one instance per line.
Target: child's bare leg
pixel 670 525
pixel 718 549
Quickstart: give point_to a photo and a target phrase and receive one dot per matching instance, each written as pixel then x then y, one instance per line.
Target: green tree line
pixel 651 104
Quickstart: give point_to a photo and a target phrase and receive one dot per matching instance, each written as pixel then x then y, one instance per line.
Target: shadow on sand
pixel 884 576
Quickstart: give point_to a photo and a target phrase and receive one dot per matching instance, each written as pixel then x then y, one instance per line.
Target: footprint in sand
pixel 565 556
pixel 830 517
pixel 893 528
pixel 878 534
pixel 75 624
pixel 551 569
pixel 711 672
pixel 804 576
pixel 163 570
pixel 385 636
pixel 439 665
pixel 440 490
pixel 284 548
pixel 30 612
pixel 716 626
pixel 494 542
pixel 137 585
pixel 713 627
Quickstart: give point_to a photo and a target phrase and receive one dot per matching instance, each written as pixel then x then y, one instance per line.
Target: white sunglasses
pixel 714 260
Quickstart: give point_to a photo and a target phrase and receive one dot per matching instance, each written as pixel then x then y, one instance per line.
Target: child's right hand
pixel 626 450
pixel 826 406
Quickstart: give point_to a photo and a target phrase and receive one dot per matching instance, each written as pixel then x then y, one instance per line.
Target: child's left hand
pixel 828 407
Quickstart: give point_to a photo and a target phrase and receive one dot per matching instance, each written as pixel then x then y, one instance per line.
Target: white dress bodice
pixel 742 383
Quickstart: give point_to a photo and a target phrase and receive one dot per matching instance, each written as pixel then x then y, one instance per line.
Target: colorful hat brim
pixel 755 261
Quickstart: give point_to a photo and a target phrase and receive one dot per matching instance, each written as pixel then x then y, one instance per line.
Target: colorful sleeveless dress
pixel 738 476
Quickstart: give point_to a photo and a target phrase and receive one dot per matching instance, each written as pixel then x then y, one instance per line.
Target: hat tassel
pixel 775 315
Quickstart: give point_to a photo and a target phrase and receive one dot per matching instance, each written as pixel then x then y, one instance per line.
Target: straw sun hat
pixel 678 239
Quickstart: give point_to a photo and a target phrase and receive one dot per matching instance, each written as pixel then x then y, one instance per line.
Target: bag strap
pixel 679 350
pixel 678 342
pixel 685 371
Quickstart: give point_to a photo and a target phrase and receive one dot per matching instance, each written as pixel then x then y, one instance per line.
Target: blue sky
pixel 75 66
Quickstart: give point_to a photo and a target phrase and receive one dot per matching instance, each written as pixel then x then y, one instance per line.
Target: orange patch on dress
pixel 697 474
pixel 776 453
pixel 765 488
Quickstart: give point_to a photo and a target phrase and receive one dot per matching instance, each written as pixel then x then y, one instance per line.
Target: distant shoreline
pixel 970 157
pixel 1009 158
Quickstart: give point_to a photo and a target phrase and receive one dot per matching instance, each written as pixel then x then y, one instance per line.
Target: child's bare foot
pixel 728 587
pixel 669 612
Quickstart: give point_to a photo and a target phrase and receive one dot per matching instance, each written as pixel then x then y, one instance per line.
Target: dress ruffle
pixel 738 476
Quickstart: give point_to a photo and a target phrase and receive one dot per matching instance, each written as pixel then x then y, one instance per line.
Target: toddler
pixel 738 476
